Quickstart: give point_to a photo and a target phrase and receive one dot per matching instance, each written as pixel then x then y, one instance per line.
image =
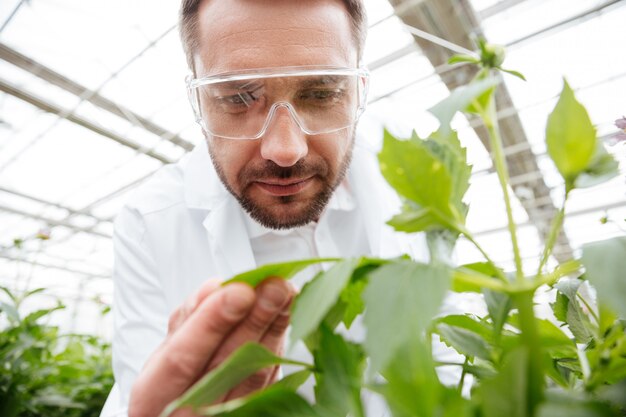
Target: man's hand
pixel 203 332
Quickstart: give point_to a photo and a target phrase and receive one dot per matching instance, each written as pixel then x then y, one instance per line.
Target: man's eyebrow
pixel 321 80
pixel 239 84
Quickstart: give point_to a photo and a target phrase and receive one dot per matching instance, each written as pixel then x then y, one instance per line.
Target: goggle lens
pixel 243 107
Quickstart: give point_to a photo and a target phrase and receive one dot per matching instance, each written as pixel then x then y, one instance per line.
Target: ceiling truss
pixel 451 20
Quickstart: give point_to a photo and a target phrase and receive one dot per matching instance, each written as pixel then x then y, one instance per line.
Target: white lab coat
pixel 179 229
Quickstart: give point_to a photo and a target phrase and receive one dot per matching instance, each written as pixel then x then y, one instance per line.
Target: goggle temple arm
pixel 194 100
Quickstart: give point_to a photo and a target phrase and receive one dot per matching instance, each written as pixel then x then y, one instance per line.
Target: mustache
pixel 270 170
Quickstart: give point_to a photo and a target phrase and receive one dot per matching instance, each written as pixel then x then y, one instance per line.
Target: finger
pixel 273 294
pixel 274 337
pixel 184 356
pixel 274 340
pixel 181 313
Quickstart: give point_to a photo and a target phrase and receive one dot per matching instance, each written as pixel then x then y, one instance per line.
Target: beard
pixel 289 211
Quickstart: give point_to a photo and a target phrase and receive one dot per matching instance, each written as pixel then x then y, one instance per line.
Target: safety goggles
pixel 242 104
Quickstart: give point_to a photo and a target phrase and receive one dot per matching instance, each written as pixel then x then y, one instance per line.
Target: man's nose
pixel 284 143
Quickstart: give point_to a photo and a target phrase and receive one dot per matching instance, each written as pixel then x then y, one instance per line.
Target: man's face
pixel 285 178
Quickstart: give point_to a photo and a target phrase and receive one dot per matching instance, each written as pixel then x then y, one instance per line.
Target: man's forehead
pixel 243 34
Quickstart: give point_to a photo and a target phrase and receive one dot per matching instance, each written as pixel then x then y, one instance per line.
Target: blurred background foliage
pixel 44 372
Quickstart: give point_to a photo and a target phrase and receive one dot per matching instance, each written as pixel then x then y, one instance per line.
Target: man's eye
pixel 244 99
pixel 322 96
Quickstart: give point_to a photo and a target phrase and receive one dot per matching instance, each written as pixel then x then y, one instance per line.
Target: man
pixel 277 89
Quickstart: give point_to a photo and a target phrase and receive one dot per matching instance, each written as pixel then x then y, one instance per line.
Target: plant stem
pixel 463 373
pixel 450 364
pixel 562 270
pixel 491 122
pixel 469 237
pixel 524 301
pixel 591 311
pixel 555 228
pixel 530 338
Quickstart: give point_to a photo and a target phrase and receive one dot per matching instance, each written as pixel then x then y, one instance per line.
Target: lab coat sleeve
pixel 139 307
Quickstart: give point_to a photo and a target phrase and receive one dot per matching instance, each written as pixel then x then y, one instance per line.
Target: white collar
pixel 378 202
pixel 203 188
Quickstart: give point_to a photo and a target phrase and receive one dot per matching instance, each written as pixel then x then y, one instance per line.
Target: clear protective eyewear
pixel 242 104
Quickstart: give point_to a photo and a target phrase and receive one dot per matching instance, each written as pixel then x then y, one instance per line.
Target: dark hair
pixel 188 25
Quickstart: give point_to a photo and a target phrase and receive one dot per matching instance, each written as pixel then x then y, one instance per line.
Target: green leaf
pixel 340 365
pixel 274 401
pixel 435 204
pixel 412 220
pixel 553 339
pixel 454 405
pixel 447 147
pixel 464 341
pixel 413 388
pixel 32 292
pixel 405 164
pixel 570 136
pixel 569 405
pixel 499 305
pixel 454 59
pixel 506 394
pixel 559 307
pixel 484 268
pixel 8 292
pixel 602 168
pixel 351 296
pixel 605 264
pixel 613 394
pixel 569 287
pixel 12 314
pixel 577 321
pixel 460 100
pixel 293 381
pixel 318 296
pixel 245 361
pixel 36 315
pixel 514 73
pixel 283 270
pixel 401 299
pixel 607 358
pixel 482 329
pixel 56 400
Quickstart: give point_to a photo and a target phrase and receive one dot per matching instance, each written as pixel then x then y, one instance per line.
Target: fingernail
pixel 237 300
pixel 273 295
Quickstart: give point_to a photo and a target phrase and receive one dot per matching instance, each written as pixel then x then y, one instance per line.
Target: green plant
pixel 523 366
pixel 45 373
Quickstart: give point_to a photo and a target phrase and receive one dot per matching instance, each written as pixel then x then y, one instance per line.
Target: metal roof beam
pixel 548 216
pixel 35 68
pixel 58 267
pixel 71 212
pixel 53 222
pixel 81 121
pixel 498 8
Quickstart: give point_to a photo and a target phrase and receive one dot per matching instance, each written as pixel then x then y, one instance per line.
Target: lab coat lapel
pixel 227 235
pixel 228 239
